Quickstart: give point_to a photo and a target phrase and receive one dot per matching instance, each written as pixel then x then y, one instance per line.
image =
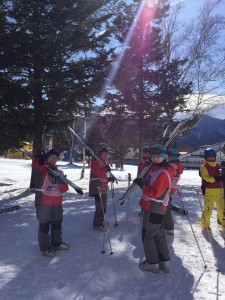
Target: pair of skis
pixel 165 140
pixel 92 153
pixel 78 189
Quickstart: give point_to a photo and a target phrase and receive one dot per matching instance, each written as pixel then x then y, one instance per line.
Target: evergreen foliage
pixel 147 87
pixel 52 62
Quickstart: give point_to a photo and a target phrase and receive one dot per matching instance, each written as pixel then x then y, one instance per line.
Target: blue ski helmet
pixel 209 152
pixel 174 153
pixel 158 150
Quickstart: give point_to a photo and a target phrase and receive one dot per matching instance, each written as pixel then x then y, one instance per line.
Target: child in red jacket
pixel 154 201
pixel 49 191
pixel 98 187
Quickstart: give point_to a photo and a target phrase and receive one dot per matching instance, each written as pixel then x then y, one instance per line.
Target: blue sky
pixel 192 7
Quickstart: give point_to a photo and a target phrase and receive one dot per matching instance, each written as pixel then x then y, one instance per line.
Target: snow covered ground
pixel 84 273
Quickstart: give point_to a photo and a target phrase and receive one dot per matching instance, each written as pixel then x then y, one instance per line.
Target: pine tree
pixel 147 86
pixel 52 61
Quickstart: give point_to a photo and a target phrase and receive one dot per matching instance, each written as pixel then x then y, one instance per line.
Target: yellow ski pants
pixel 213 196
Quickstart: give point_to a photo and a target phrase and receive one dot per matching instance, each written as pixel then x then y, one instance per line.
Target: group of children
pixel 158 186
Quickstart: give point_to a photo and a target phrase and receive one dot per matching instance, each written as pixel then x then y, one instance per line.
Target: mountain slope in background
pixel 207 131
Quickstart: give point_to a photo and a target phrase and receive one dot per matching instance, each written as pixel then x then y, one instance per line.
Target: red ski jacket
pixel 155 195
pixel 98 178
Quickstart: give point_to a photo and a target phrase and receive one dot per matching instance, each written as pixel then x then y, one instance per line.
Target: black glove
pixel 139 182
pixel 108 168
pixel 220 178
pixel 203 189
pixel 42 159
pixel 112 179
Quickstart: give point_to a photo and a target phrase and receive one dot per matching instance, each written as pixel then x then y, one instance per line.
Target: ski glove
pixel 112 179
pixel 42 159
pixel 139 182
pixel 220 178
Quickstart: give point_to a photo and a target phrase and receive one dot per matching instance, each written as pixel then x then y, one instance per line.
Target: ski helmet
pixel 174 153
pixel 209 152
pixel 158 150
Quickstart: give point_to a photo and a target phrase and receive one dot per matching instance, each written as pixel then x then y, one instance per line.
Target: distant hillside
pixel 207 131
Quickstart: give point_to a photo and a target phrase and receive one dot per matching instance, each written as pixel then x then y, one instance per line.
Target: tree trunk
pixel 37 126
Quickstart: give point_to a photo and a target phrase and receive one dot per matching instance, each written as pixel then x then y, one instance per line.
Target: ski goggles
pixel 157 151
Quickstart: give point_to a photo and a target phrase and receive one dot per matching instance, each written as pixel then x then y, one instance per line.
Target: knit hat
pixel 102 150
pixel 174 153
pixel 51 152
pixel 158 150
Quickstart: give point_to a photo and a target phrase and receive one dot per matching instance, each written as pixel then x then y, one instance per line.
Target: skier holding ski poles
pixel 212 189
pixel 173 158
pixel 154 201
pixel 49 191
pixel 98 185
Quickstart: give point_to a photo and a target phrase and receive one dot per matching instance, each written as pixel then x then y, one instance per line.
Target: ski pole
pixel 222 172
pixel 33 190
pixel 114 204
pixel 11 208
pixel 128 198
pixel 210 240
pixel 106 226
pixel 182 202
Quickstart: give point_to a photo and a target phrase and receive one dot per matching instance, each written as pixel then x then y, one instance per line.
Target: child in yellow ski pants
pixel 212 196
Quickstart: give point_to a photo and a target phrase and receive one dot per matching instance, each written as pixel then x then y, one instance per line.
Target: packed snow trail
pixel 84 272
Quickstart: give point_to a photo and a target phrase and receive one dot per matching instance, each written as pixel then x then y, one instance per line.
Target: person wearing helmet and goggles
pixel 154 200
pixel 212 188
